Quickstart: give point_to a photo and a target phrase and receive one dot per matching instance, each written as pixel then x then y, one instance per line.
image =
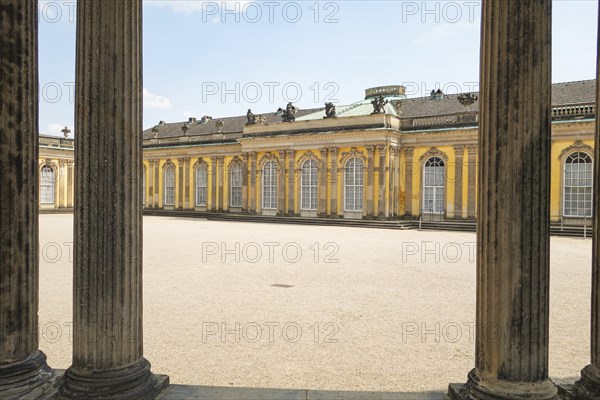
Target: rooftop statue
pixel 378 104
pixel 289 114
pixel 251 118
pixel 329 110
pixel 467 100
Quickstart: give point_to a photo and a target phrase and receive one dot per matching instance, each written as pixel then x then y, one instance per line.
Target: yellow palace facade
pixel 384 157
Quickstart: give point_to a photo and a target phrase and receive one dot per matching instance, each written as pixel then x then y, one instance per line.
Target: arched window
pixel 309 185
pixel 578 185
pixel 169 185
pixel 201 185
pixel 434 178
pixel 353 184
pixel 235 180
pixel 269 190
pixel 47 185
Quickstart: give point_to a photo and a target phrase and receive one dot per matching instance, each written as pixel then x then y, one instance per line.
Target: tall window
pixel 170 185
pixel 434 177
pixel 309 185
pixel 47 185
pixel 201 185
pixel 578 185
pixel 353 185
pixel 269 181
pixel 236 185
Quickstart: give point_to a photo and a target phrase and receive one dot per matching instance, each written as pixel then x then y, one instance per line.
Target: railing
pixel 574 110
pixel 586 222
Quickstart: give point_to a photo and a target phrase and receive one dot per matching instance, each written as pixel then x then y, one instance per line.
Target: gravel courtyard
pixel 351 309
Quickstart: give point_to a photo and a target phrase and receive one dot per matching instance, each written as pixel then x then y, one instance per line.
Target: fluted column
pixel 253 177
pixel 322 208
pixel 108 357
pixel 70 184
pixel 408 169
pixel 245 182
pixel 370 181
pixel 588 387
pixel 281 183
pixel 459 152
pixel 381 181
pixel 291 181
pixel 213 183
pixel 511 357
pixel 333 177
pixel 472 181
pixel 23 369
pixel 156 200
pixel 180 181
pixel 221 180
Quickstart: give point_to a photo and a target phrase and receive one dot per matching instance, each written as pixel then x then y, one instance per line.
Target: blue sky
pixel 221 58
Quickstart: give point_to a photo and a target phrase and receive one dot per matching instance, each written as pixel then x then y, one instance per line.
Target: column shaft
pixel 381 180
pixel 408 166
pixel 322 207
pixel 221 180
pixel 23 369
pixel 281 183
pixel 472 183
pixel 244 182
pixel 589 385
pixel 511 357
pixel 252 205
pixel 108 357
pixel 291 182
pixel 333 177
pixel 370 181
pixel 213 183
pixel 459 152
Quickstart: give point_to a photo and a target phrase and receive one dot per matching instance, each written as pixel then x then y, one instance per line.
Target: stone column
pixel 513 224
pixel 70 184
pixel 281 183
pixel 459 152
pixel 381 212
pixel 588 387
pixel 394 196
pixel 333 178
pixel 291 182
pixel 61 184
pixel 252 205
pixel 213 183
pixel 370 181
pixel 180 182
pixel 408 166
pixel 108 359
pixel 472 181
pixel 186 183
pixel 245 182
pixel 323 174
pixel 156 183
pixel 23 369
pixel 221 180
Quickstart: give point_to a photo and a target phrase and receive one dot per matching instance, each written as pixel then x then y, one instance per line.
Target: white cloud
pixel 193 6
pixel 155 101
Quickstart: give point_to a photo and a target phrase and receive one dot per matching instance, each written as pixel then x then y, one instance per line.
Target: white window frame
pixel 269 186
pixel 309 185
pixel 236 185
pixel 354 184
pixel 47 185
pixel 578 193
pixel 169 186
pixel 434 186
pixel 201 180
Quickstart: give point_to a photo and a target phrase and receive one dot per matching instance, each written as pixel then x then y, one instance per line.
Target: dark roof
pixel 562 94
pixel 567 93
pixel 230 125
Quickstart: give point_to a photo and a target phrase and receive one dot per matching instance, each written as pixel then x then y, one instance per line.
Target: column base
pixel 476 389
pixel 28 379
pixel 134 382
pixel 588 387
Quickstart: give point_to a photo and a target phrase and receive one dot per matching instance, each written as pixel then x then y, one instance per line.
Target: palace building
pixel 384 157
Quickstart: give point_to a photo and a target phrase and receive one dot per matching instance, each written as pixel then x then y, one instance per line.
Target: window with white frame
pixel 201 185
pixel 354 184
pixel 236 183
pixel 269 183
pixel 47 178
pixel 169 185
pixel 434 178
pixel 578 185
pixel 309 185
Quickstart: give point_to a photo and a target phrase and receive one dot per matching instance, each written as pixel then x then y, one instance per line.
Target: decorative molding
pixel 409 152
pixel 459 150
pixel 370 150
pixel 472 149
pixel 434 152
pixel 577 146
pixel 268 156
pixel 351 154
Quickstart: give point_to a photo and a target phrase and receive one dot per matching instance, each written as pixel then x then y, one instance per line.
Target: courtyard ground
pixel 352 308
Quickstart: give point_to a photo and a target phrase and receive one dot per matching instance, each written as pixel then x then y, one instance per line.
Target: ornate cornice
pixel 576 146
pixel 434 152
